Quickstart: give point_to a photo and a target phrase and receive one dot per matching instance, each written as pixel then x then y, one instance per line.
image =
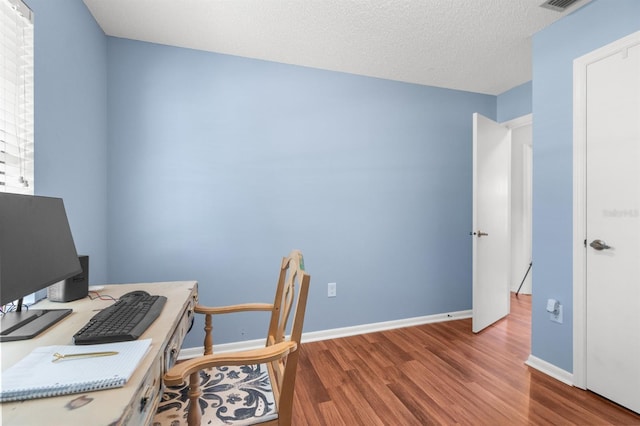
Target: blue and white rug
pixel 236 395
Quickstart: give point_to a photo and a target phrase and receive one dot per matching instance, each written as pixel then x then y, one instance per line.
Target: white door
pixel 613 227
pixel 491 258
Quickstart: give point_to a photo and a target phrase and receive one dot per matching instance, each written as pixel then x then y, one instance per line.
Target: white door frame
pixel 515 123
pixel 519 121
pixel 579 200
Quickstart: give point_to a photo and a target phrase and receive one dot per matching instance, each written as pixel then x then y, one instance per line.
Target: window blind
pixel 16 97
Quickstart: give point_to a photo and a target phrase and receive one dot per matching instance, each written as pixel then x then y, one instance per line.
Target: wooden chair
pixel 258 371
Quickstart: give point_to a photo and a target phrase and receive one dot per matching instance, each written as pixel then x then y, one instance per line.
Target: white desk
pixel 136 402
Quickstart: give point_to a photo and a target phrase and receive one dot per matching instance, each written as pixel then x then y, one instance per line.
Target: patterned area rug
pixel 230 396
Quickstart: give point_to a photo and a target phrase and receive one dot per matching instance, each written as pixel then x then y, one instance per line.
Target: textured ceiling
pixel 480 46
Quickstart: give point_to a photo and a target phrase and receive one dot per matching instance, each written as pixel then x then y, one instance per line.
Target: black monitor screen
pixel 36 246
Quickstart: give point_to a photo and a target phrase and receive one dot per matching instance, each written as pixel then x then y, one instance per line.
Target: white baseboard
pixel 550 370
pixel 334 333
pixel 188 353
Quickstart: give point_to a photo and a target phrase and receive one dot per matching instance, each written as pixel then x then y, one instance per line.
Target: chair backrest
pixel 291 298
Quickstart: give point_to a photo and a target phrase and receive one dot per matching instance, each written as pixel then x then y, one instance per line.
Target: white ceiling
pixel 480 46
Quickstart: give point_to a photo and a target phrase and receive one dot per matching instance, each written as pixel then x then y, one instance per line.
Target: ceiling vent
pixel 559 5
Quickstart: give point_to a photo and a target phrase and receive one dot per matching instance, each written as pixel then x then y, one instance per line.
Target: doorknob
pixel 482 234
pixel 599 245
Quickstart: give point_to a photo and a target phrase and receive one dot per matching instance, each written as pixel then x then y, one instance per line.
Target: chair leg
pixel 208 339
pixel 194 416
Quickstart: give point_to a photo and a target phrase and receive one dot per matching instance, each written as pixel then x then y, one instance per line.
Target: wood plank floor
pixel 441 374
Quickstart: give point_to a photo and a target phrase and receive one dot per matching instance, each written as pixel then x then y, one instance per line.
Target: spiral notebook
pixel 37 376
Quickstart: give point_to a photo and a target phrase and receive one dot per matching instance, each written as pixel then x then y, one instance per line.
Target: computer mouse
pixel 135 293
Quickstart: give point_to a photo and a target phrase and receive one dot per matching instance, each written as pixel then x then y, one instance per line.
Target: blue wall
pixel 515 103
pixel 554 50
pixel 219 165
pixel 208 155
pixel 71 121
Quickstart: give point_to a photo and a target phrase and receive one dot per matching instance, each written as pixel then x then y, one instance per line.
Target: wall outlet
pixel 331 290
pixel 556 317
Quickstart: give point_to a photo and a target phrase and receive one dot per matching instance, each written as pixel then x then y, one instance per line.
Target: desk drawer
pixel 175 342
pixel 145 402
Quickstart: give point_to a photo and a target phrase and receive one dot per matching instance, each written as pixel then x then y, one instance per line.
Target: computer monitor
pixel 36 250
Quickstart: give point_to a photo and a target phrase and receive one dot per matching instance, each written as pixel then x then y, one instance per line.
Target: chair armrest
pixel 178 373
pixel 244 307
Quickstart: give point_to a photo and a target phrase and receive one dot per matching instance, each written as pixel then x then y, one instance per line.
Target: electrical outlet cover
pixel 556 318
pixel 331 290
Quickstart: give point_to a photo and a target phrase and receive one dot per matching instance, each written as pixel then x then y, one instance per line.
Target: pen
pixel 57 356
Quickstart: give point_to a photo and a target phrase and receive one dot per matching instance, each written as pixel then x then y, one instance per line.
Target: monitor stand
pixel 23 325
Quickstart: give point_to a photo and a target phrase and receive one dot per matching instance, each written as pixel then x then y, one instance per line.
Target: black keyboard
pixel 125 320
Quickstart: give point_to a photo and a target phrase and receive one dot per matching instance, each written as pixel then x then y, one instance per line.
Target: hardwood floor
pixel 441 374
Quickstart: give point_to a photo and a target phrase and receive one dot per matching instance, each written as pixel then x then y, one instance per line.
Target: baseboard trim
pixel 550 370
pixel 335 333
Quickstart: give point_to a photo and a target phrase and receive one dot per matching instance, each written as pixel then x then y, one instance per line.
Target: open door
pixel 491 258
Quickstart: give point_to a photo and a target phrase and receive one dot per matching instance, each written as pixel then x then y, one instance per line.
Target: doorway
pixel 501 215
pixel 521 203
